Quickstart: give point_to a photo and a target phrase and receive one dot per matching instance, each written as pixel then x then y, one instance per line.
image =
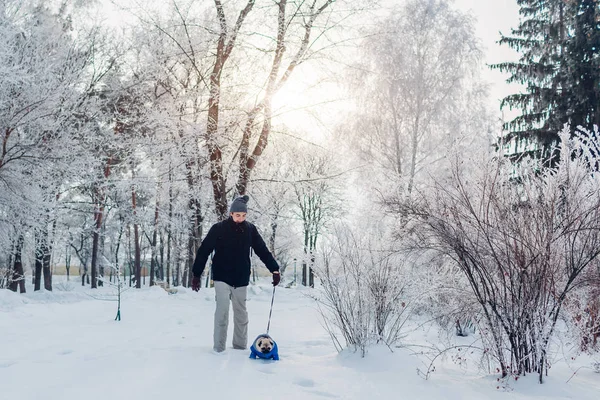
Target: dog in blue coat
pixel 264 347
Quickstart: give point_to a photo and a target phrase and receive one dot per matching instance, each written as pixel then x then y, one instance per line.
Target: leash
pixel 271 311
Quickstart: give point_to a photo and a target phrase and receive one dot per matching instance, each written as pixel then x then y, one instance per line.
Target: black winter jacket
pixel 231 243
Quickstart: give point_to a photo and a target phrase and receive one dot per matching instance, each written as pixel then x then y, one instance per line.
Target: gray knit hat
pixel 239 205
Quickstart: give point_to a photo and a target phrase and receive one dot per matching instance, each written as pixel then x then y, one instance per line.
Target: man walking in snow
pixel 231 241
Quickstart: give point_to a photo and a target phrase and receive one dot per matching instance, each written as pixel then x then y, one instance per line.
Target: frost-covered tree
pixel 417 94
pixel 251 50
pixel 364 292
pixel 45 61
pixel 317 203
pixel 522 245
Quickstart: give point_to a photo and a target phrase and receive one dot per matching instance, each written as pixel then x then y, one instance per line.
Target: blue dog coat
pixel 254 352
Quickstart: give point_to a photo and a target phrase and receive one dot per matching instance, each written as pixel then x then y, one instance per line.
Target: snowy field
pixel 65 345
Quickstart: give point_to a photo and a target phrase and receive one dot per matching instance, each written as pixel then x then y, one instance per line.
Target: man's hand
pixel 196 283
pixel 276 278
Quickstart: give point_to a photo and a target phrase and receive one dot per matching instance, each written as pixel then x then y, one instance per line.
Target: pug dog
pixel 264 344
pixel 264 347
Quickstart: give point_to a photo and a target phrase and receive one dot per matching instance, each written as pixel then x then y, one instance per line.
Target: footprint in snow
pixel 267 371
pixel 305 382
pixel 6 364
pixel 309 383
pixel 324 394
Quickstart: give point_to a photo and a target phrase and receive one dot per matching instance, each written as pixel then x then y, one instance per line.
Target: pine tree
pixel 583 68
pixel 559 66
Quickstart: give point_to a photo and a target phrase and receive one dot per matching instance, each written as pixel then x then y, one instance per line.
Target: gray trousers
pixel 223 294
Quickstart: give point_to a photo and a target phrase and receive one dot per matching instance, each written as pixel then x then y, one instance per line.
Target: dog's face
pixel 265 345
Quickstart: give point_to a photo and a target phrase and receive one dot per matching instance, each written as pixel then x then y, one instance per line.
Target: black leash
pixel 270 312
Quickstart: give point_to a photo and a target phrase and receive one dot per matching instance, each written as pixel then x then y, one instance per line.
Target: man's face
pixel 238 217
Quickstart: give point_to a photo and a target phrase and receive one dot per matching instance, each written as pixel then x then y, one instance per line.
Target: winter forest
pixel 386 184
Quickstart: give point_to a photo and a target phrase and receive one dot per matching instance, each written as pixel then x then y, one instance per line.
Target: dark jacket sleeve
pixel 207 247
pixel 261 250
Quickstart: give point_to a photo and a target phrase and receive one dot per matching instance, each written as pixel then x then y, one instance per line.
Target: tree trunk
pixel 247 163
pixel 47 254
pixel 98 216
pixel 47 272
pixel 18 276
pixel 83 257
pixel 195 224
pixel 98 212
pixel 136 244
pixel 169 239
pixel 41 257
pixel 304 273
pixel 191 245
pixel 216 169
pixel 161 252
pixel 413 158
pixel 153 256
pixel 101 261
pixel 68 262
pixel 169 225
pixel 187 271
pixel 178 261
pixel 273 234
pixel 5 280
pixel 37 274
pixel 130 264
pixel 224 49
pixel 4 150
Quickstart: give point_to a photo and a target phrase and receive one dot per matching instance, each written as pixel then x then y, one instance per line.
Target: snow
pixel 66 345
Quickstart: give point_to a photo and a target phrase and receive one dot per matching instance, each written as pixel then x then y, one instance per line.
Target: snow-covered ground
pixel 66 345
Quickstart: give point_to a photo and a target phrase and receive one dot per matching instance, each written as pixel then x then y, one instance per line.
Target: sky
pixel 313 112
pixel 66 345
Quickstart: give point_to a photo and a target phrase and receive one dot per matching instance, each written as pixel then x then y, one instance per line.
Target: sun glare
pixel 307 106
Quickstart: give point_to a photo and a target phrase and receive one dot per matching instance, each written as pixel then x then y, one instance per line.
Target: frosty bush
pixel 522 237
pixel 363 293
pixel 582 315
pixel 444 292
pixel 596 366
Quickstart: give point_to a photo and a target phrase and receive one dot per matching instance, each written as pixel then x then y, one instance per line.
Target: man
pixel 231 241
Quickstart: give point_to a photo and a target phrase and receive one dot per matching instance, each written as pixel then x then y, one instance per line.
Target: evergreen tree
pixel 559 67
pixel 583 65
